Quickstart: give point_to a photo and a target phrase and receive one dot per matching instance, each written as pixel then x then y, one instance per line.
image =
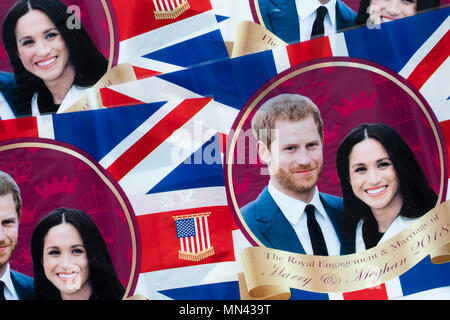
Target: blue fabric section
pixel 391 43
pixel 307 295
pixel 231 82
pixel 221 18
pixel 425 276
pixel 200 170
pixel 204 48
pixel 216 291
pixel 99 131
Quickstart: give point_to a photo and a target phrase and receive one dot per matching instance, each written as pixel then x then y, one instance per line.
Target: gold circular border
pixel 303 70
pixel 111 32
pixel 103 178
pixel 258 13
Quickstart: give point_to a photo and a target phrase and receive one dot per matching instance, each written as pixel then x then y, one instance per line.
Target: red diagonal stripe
pixel 431 62
pixel 308 50
pixel 155 136
pixel 137 16
pixel 111 98
pixel 142 73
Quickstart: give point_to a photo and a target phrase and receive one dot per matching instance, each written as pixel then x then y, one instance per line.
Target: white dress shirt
pixel 294 211
pixel 307 12
pixel 10 292
pixel 396 227
pixel 5 110
pixel 75 92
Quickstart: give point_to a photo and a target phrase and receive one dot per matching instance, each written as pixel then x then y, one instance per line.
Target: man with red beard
pixel 290 214
pixel 13 285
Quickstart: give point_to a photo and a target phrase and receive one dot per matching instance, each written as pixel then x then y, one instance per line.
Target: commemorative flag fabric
pixel 168 156
pixel 232 82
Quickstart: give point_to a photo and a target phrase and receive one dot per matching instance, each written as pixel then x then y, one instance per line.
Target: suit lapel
pixel 283 19
pixel 344 16
pixel 23 292
pixel 275 227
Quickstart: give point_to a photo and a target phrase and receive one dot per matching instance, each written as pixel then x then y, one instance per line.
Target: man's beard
pixel 286 180
pixel 5 258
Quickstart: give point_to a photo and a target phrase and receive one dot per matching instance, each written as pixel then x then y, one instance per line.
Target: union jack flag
pixel 422 59
pixel 178 117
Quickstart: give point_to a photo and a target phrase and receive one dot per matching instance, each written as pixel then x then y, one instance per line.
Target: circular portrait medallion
pixel 53 175
pixel 348 92
pixel 97 17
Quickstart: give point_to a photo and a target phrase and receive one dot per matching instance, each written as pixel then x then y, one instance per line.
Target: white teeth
pixel 384 19
pixel 46 63
pixel 375 191
pixel 67 276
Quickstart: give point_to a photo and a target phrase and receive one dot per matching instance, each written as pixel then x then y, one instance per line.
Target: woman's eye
pixel 383 164
pixel 360 169
pixel 53 252
pixel 77 251
pixel 27 43
pixel 51 35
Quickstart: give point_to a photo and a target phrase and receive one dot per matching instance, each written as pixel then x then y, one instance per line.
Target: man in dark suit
pixel 300 20
pixel 8 95
pixel 13 285
pixel 290 213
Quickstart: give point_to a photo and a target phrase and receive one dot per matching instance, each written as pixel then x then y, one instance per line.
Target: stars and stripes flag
pixel 193 232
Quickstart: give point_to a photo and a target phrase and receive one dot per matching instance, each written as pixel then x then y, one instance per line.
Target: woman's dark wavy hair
pixel 103 277
pixel 90 65
pixel 363 11
pixel 417 194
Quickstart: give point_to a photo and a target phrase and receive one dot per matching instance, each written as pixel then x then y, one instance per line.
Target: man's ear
pixel 263 152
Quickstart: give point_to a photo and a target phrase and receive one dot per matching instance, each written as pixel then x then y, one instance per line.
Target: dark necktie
pixel 315 233
pixel 2 292
pixel 318 28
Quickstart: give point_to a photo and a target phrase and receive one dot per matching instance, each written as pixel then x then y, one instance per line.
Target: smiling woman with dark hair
pixel 386 10
pixel 53 64
pixel 71 260
pixel 383 186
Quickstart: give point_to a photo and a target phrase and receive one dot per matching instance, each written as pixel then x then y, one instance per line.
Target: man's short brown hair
pixel 8 185
pixel 292 107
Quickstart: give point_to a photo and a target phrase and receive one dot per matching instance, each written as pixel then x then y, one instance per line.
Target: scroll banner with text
pixel 269 273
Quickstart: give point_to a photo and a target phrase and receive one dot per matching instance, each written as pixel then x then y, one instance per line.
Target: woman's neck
pixel 385 216
pixel 60 86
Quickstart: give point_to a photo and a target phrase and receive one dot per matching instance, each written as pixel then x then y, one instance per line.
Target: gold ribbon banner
pixel 270 273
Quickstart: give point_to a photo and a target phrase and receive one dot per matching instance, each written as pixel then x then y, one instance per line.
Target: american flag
pixel 193 232
pixel 170 9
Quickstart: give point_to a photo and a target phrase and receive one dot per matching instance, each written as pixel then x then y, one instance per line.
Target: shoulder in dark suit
pixel 9 89
pixel 23 284
pixel 281 18
pixel 269 225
